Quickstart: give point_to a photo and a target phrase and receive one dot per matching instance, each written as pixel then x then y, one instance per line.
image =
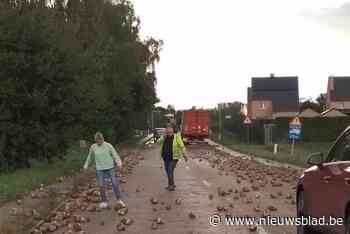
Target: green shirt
pixel 105 156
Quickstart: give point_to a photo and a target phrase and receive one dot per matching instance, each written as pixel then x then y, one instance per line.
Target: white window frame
pixel 262 106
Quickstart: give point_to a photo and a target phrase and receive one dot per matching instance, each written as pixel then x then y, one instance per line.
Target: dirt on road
pixel 211 183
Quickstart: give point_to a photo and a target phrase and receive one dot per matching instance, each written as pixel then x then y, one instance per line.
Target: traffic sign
pixel 295 122
pixel 295 129
pixel 247 121
pixel 294 133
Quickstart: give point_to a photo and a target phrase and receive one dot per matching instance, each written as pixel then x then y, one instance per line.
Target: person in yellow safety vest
pixel 172 150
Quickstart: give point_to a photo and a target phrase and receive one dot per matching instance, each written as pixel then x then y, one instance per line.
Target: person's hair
pixel 99 135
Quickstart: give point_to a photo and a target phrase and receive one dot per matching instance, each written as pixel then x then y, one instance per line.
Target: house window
pixel 262 106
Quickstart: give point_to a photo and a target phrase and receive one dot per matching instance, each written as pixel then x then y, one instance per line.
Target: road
pixel 211 182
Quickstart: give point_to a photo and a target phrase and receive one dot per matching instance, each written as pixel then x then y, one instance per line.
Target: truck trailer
pixel 195 125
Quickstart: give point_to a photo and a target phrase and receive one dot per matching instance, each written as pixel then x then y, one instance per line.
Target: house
pixel 309 113
pixel 338 95
pixel 332 113
pixel 273 97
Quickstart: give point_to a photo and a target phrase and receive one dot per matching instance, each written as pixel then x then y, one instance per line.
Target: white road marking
pixel 206 183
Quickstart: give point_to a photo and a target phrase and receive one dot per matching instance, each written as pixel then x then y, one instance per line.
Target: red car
pixel 323 190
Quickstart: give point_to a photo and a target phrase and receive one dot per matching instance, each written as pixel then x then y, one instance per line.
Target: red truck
pixel 195 125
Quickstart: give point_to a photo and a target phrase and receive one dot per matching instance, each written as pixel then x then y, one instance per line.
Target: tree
pixel 68 70
pixel 232 125
pixel 322 101
pixel 159 117
pixel 171 109
pixel 309 104
pixel 38 71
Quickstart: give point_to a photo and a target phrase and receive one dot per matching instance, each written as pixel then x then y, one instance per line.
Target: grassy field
pixel 22 181
pixel 299 158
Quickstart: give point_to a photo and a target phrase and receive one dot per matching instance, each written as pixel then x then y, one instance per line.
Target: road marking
pixel 206 183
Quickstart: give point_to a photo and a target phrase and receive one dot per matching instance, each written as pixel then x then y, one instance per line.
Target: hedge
pixel 313 129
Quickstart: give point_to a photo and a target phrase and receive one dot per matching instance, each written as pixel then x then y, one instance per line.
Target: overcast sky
pixel 213 48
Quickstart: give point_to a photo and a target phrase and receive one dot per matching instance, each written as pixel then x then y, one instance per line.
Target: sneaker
pixel 103 205
pixel 121 203
pixel 171 188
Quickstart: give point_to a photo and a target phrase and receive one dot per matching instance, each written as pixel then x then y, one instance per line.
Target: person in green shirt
pixel 106 157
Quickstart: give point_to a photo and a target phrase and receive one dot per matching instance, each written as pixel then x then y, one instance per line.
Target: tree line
pixel 228 120
pixel 70 68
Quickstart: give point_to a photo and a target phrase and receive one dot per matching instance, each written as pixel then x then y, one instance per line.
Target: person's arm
pixel 184 152
pixel 182 146
pixel 89 158
pixel 115 156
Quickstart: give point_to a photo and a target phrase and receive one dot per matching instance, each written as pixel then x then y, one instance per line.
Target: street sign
pixel 247 121
pixel 295 129
pixel 296 122
pixel 294 132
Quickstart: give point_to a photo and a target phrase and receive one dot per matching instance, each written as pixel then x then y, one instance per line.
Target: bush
pixel 313 129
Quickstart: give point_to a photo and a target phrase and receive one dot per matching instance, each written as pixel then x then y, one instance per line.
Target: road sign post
pixel 248 133
pixel 247 123
pixel 294 132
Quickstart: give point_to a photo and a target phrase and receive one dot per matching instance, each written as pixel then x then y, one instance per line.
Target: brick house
pixel 273 97
pixel 338 93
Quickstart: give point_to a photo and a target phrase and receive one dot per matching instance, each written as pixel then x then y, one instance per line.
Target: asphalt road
pixel 210 183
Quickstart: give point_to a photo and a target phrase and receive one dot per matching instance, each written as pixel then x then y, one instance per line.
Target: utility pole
pixel 152 121
pixel 220 122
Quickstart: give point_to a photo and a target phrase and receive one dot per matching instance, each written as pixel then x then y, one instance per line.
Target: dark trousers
pixel 170 165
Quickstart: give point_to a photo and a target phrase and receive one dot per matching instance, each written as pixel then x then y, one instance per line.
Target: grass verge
pixel 299 158
pixel 22 181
